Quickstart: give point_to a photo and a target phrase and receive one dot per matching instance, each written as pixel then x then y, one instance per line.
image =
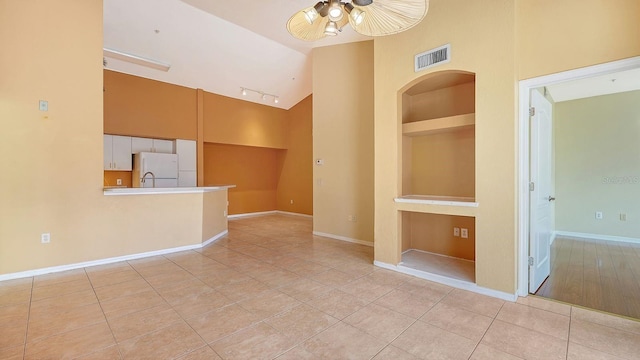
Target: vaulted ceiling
pixel 219 46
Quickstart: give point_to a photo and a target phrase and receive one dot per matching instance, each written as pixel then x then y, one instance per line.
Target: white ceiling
pixel 219 46
pixel 613 83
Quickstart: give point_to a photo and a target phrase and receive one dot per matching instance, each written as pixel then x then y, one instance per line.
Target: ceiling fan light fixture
pixel 335 10
pixel 356 15
pixel 331 29
pixel 312 14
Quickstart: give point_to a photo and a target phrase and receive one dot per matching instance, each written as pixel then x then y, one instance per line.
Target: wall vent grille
pixel 431 58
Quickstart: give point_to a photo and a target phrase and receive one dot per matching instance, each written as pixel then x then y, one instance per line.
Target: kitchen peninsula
pixel 165 220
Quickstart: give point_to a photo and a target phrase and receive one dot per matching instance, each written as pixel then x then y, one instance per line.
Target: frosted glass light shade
pixel 299 27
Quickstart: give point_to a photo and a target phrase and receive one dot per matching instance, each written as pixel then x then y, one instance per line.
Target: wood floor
pixel 601 275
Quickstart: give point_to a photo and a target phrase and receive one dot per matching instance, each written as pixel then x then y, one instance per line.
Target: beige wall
pixel 38 195
pixel 343 138
pixel 555 36
pixel 434 233
pixel 597 164
pixel 472 28
pixel 295 165
pixel 443 164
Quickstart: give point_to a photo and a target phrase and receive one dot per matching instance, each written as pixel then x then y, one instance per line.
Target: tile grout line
pixel 493 320
pixel 113 336
pixel 26 331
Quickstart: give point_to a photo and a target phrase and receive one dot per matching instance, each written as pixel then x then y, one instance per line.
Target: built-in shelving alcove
pixel 438 175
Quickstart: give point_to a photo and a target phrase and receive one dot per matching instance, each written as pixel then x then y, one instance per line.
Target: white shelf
pixel 434 126
pixel 437 200
pixel 444 205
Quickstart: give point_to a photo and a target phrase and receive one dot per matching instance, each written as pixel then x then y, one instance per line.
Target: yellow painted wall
pixel 434 233
pixel 443 164
pixel 597 164
pixel 295 165
pixel 38 195
pixel 555 36
pixel 482 38
pixel 343 138
pixel 501 41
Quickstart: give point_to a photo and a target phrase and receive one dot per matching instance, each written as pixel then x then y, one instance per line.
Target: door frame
pixel 525 87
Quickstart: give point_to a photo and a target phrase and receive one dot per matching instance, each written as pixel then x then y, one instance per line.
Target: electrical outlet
pixel 464 233
pixel 353 218
pixel 599 215
pixel 623 217
pixel 118 182
pixel 45 238
pixel 291 202
pixel 224 213
pixel 456 231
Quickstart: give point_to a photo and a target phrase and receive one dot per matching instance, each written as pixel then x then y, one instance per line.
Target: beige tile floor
pixel 271 289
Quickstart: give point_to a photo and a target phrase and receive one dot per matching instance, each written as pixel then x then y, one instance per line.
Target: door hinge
pixel 532 186
pixel 530 261
pixel 532 111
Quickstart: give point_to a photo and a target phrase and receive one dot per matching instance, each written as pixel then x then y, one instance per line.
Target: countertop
pixel 174 190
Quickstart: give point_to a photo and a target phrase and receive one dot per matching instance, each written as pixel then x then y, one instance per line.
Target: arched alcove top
pixel 438 95
pixel 438 80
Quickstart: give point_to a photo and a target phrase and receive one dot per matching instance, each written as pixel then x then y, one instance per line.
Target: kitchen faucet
pixel 153 178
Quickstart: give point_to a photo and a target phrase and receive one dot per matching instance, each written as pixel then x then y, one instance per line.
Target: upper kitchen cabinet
pixel 186 150
pixel 139 144
pixel 117 152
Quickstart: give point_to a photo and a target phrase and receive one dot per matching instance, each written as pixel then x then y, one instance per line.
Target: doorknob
pixel 550 198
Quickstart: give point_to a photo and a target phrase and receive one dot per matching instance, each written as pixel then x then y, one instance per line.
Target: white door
pixel 540 196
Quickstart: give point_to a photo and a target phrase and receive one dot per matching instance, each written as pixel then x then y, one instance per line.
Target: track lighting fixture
pixel 263 95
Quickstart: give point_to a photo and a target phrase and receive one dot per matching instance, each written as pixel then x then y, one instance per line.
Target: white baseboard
pixel 214 238
pixel 343 238
pixel 586 236
pixel 265 213
pixel 253 214
pixel 459 284
pixel 293 214
pixel 54 269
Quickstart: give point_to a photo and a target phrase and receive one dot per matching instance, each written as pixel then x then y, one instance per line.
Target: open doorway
pixel 579 222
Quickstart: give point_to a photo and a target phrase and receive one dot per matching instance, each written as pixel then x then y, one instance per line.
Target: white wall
pixel 597 144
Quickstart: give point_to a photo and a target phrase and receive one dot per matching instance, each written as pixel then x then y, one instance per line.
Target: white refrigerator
pixel 155 170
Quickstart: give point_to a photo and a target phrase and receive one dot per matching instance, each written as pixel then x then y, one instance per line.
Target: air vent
pixel 431 58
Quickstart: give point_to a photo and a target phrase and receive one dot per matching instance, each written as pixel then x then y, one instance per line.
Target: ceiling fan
pixel 368 17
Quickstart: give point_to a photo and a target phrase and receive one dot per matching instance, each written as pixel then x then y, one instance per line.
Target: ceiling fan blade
pixel 386 17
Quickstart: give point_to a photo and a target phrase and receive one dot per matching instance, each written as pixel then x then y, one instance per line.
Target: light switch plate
pixel 44 105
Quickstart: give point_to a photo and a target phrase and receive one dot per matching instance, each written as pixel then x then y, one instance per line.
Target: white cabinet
pixel 163 146
pixel 186 150
pixel 117 152
pixel 141 145
pixel 187 164
pixel 151 145
pixel 187 178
